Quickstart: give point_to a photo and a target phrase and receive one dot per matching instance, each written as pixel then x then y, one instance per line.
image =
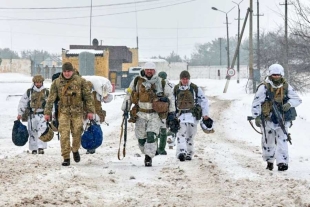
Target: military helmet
pixel 162 74
pixel 276 69
pixel 38 78
pixel 48 134
pixel 207 126
pixel 54 126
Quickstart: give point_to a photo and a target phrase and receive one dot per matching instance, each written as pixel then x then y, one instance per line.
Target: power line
pixel 81 17
pixel 24 33
pixel 71 7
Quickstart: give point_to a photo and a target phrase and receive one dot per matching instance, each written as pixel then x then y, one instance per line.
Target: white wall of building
pixel 16 66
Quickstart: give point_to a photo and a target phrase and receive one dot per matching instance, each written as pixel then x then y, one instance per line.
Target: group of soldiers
pixel 158 109
pixel 75 102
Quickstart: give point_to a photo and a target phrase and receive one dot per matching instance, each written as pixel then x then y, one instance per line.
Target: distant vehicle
pixel 131 74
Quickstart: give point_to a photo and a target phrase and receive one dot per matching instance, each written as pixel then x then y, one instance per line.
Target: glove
pixel 258 122
pixel 170 117
pixel 286 107
pixel 164 99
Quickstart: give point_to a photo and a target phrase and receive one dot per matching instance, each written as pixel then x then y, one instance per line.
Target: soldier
pixel 72 91
pixel 147 91
pixel 162 136
pixel 191 105
pixel 31 107
pixel 100 114
pixel 46 71
pixel 275 90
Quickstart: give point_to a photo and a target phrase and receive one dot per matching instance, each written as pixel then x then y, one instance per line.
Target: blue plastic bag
pixel 19 134
pixel 92 137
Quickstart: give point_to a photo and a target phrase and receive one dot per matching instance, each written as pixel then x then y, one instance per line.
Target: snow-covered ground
pixel 227 169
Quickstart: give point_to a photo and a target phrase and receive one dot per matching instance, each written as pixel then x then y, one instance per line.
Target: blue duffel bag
pixel 19 134
pixel 92 137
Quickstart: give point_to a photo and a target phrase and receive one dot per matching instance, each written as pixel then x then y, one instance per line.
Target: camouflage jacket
pixel 71 93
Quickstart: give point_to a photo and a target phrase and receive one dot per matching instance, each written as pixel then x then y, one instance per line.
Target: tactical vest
pixel 70 94
pixel 185 98
pixel 142 94
pixel 37 98
pixel 280 98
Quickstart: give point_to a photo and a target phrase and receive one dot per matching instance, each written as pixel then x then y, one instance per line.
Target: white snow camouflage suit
pixel 188 123
pixel 146 121
pixel 274 144
pixel 36 122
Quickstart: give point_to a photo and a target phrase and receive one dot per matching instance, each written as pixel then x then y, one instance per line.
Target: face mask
pixel 277 80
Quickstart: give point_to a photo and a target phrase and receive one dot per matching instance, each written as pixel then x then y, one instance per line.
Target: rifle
pixel 123 131
pixel 279 117
pixel 281 121
pixel 56 123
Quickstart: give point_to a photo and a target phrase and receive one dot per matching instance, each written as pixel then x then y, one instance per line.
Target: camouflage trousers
pixel 36 127
pixel 274 144
pixel 149 123
pixel 70 123
pixel 185 139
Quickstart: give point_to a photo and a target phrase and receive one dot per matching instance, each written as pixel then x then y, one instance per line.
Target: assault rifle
pixel 123 131
pixel 280 121
pixel 278 116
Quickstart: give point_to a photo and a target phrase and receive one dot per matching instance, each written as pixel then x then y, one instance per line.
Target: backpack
pixel 92 137
pixel 188 100
pixel 19 134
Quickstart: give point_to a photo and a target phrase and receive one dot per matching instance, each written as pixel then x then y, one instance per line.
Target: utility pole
pixel 228 59
pixel 286 43
pixel 251 47
pixel 137 39
pixel 238 60
pixel 220 39
pixel 258 46
pixel 91 10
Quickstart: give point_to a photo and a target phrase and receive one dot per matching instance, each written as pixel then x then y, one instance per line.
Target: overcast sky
pixel 162 25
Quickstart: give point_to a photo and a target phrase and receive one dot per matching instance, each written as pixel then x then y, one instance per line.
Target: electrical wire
pixel 72 7
pixel 81 17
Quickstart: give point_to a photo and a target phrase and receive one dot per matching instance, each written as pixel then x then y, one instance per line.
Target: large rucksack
pixel 19 134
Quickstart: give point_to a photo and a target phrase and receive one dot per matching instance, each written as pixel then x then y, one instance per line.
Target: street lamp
pixel 228 63
pixel 238 60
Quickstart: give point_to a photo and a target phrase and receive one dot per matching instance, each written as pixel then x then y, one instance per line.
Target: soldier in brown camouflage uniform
pixel 72 91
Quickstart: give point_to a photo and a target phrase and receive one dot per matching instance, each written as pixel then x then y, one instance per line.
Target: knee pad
pixel 150 137
pixel 163 131
pixel 141 142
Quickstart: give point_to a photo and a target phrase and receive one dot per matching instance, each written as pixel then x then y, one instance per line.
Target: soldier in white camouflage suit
pixel 72 91
pixel 274 142
pixel 192 105
pixel 142 91
pixel 34 99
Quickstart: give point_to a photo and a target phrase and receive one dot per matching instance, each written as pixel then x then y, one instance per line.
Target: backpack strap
pixel 195 88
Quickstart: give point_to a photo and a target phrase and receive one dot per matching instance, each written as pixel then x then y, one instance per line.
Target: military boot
pixel 76 156
pixel 282 166
pixel 162 141
pixel 41 151
pixel 148 161
pixel 66 162
pixel 269 166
